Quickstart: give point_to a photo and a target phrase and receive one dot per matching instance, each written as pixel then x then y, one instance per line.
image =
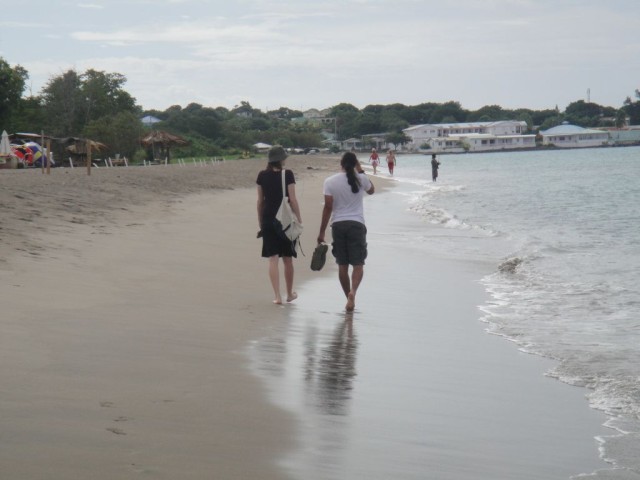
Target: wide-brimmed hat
pixel 277 154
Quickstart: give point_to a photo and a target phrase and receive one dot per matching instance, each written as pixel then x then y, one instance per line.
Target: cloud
pixel 90 6
pixel 359 51
pixel 186 33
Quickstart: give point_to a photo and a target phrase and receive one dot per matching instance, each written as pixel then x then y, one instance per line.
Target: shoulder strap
pixel 284 189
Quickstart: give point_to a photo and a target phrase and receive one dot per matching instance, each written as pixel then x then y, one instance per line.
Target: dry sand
pixel 128 297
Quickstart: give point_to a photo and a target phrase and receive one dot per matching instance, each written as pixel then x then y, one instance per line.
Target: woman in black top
pixel 269 199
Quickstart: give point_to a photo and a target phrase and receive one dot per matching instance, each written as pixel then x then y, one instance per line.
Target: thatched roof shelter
pixel 163 138
pixel 76 148
pixel 79 146
pixel 161 143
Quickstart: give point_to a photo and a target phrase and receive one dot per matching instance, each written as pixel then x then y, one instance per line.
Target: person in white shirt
pixel 343 205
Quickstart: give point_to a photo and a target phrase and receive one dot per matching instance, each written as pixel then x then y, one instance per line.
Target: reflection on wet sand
pixel 311 367
pixel 330 369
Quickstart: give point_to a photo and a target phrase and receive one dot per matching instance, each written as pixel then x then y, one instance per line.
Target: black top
pixel 271 183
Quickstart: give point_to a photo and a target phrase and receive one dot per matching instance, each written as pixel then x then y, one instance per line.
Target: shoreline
pixel 412 384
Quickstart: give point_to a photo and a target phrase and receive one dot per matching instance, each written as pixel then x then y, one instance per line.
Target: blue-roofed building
pixel 573 136
pixel 149 120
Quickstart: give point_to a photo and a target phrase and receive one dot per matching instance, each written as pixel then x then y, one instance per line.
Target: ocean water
pixel 496 334
pixel 568 287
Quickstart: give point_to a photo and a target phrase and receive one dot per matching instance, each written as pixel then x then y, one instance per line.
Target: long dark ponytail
pixel 348 163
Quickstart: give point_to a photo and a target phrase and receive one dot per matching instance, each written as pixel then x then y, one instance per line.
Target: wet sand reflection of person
pixel 334 370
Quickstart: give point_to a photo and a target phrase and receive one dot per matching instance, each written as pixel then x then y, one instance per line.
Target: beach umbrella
pixel 38 158
pixel 5 145
pixel 23 154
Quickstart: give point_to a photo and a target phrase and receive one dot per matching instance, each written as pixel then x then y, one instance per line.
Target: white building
pixel 629 135
pixel 473 137
pixel 572 136
pixel 352 144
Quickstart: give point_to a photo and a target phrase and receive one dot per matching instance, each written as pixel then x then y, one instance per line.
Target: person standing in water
pixel 343 205
pixel 391 161
pixel 270 196
pixel 374 159
pixel 434 167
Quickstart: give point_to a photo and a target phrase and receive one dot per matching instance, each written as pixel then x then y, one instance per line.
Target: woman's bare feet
pixel 351 302
pixel 277 301
pixel 292 297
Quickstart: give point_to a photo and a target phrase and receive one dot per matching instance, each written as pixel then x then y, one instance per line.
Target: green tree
pixel 62 105
pixel 29 116
pixel 419 114
pixel 246 110
pixel 587 114
pixel 392 121
pixel 194 118
pixel 488 113
pixel 449 112
pixel 397 138
pixel 632 109
pixel 551 122
pixel 12 83
pixel 539 117
pixel 525 115
pixel 103 95
pixel 72 101
pixel 285 113
pixel 120 132
pixel 366 123
pixel 345 115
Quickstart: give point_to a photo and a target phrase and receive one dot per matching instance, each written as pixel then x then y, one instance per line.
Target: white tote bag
pixel 290 225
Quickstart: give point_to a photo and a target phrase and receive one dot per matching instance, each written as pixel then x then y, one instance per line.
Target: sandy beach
pixel 136 312
pixel 128 297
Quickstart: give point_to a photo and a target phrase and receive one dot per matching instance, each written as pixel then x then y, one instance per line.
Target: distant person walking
pixel 434 167
pixel 391 161
pixel 374 159
pixel 343 205
pixel 269 199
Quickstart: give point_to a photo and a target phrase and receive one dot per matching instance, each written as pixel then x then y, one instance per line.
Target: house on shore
pixel 319 118
pixel 470 137
pixel 573 136
pixel 352 144
pixel 629 135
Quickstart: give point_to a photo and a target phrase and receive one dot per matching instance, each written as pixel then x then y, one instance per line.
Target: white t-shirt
pixel 346 204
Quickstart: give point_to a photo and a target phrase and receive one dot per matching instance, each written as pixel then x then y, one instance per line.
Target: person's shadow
pixel 336 369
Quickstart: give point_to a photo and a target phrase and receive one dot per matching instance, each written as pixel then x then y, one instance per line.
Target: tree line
pixel 94 104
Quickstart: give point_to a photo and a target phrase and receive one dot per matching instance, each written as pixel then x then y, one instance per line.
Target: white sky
pixel 305 53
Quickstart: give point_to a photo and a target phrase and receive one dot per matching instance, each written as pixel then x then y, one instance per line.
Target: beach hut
pixel 161 142
pixel 76 148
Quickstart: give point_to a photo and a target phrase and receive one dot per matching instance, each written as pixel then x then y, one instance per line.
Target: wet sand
pixel 411 386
